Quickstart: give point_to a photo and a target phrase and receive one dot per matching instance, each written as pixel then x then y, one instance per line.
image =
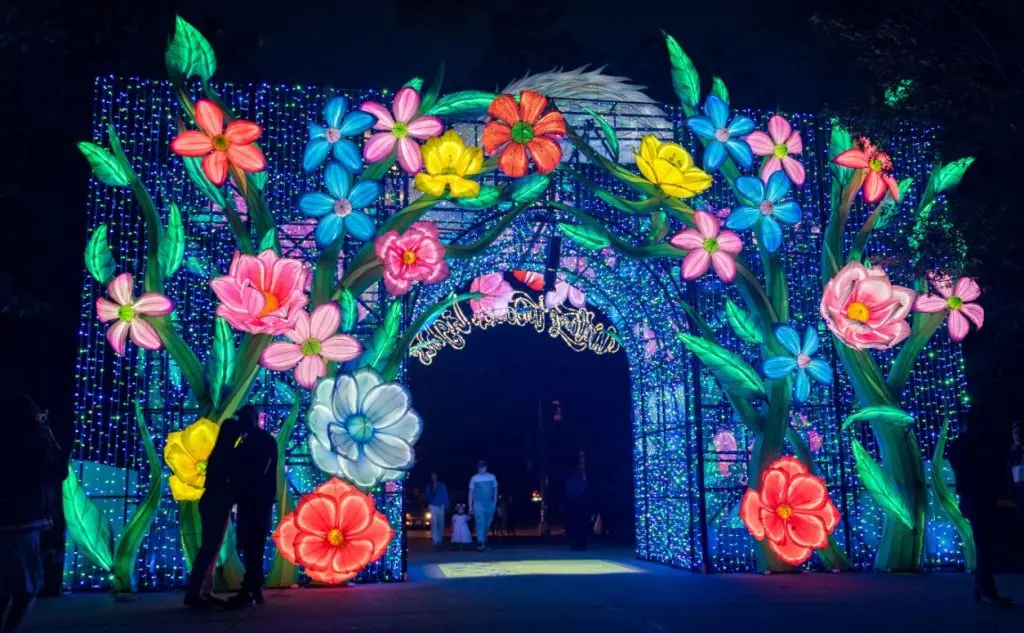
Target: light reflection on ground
pixel 535 568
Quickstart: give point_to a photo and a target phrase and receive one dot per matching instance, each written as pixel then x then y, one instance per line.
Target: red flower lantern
pixel 335 532
pixel 521 131
pixel 791 509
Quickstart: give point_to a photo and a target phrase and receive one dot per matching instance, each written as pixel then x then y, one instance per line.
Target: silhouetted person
pixel 30 465
pixel 254 489
pixel 483 499
pixel 437 504
pixel 1016 466
pixel 980 480
pixel 577 508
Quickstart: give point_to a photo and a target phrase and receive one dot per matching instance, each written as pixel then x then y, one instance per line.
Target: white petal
pixel 345 399
pixel 362 472
pixel 389 451
pixel 324 459
pixel 408 427
pixel 319 418
pixel 385 404
pixel 324 392
pixel 342 442
pixel 366 379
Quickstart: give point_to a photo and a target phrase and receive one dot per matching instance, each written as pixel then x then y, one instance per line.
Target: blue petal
pixel 316 204
pixel 820 371
pixel 346 152
pixel 360 226
pixel 717 110
pixel 810 342
pixel 787 212
pixel 356 122
pixel 778 367
pixel 740 126
pixel 335 109
pixel 701 126
pixel 743 218
pixel 771 233
pixel 740 152
pixel 714 156
pixel 316 152
pixel 802 386
pixel 317 131
pixel 365 193
pixel 788 338
pixel 338 180
pixel 778 186
pixel 329 229
pixel 750 190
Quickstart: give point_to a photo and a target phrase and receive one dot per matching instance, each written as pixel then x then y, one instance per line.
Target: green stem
pixel 912 348
pixel 245 372
pixel 401 348
pixel 614 169
pixel 865 231
pixel 242 238
pixel 185 358
pixel 326 272
pixel 832 242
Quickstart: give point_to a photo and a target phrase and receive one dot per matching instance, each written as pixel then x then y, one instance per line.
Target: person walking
pixel 578 509
pixel 437 504
pixel 254 489
pixel 30 464
pixel 483 498
pixel 1016 464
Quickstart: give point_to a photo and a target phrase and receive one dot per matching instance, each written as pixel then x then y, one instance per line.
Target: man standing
pixel 483 498
pixel 578 521
pixel 437 503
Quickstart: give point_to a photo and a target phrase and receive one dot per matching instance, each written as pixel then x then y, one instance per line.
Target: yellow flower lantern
pixel 448 162
pixel 671 168
pixel 186 453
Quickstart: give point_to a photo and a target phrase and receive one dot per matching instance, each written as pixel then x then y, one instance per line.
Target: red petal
pixel 242 132
pixel 806 492
pixel 209 117
pixel 750 514
pixel 247 157
pixel 789 465
pixel 853 158
pixel 545 152
pixel 807 530
pixel 531 104
pixel 773 488
pixel 313 551
pixel 790 552
pixel 496 135
pixel 512 161
pixel 774 526
pixel 215 166
pixel 504 107
pixel 191 143
pixel 551 124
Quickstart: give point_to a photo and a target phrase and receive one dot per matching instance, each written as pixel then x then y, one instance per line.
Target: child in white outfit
pixel 460 527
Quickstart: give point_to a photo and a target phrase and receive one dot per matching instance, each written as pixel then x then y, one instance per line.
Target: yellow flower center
pixel 784 511
pixel 781 150
pixel 400 130
pixel 858 312
pixel 310 347
pixel 126 313
pixel 220 143
pixel 335 538
pixel 408 258
pixel 201 467
pixel 270 303
pixel 711 245
pixel 875 164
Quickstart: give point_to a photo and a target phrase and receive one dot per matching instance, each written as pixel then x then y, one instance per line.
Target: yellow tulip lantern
pixel 671 168
pixel 186 453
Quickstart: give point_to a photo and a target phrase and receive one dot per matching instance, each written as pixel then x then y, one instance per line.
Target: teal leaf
pixel 685 79
pixel 228 546
pixel 430 96
pixel 189 54
pixel 99 261
pixel 719 90
pixel 464 103
pixel 195 172
pixel 742 323
pixel 529 189
pixel 880 413
pixel 948 502
pixel 609 137
pixel 488 197
pixel 839 141
pixel 890 207
pixel 376 171
pixel 105 165
pixel 172 243
pixel 884 490
pixel 221 364
pixel 88 527
pixel 945 177
pixel 269 242
pixel 349 310
pixel 384 338
pixel 416 83
pixel 198 267
pixel 733 373
pixel 259 179
pixel 659 227
pixel 586 236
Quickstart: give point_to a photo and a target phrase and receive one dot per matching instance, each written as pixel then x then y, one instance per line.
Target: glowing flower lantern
pixel 530 279
pixel 126 311
pixel 723 137
pixel 334 533
pixel 958 300
pixel 521 131
pixel 762 204
pixel 799 361
pixel 864 310
pixel 671 168
pixel 262 294
pixel 401 130
pixel 449 163
pixel 340 209
pixel 497 295
pixel 220 146
pixel 791 509
pixel 778 144
pixel 331 139
pixel 708 246
pixel 878 166
pixel 564 291
pixel 414 256
pixel 186 453
pixel 314 341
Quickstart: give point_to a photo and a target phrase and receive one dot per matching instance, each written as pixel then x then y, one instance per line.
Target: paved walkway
pixel 547 590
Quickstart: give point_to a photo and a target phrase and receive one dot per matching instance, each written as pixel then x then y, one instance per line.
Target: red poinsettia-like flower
pixel 878 165
pixel 791 509
pixel 522 131
pixel 220 146
pixel 335 532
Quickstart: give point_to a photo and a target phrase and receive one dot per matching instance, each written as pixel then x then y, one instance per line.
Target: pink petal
pixel 760 143
pixel 106 310
pixel 771 166
pixel 941 282
pixel 154 304
pixel 120 289
pixel 396 286
pixel 853 158
pixel 144 335
pixel 384 120
pixel 929 303
pixel 795 170
pixel 794 143
pixel 729 242
pixel 779 129
pixel 427 228
pixel 688 240
pixel 215 166
pixel 904 297
pixel 967 289
pixel 379 147
pixel 706 223
pixel 874 187
pixel 873 293
pixel 209 117
pixel 409 155
pixel 893 186
pixel 279 356
pixel 325 321
pixel 302 329
pixel 340 348
pixel 228 291
pixel 975 313
pixel 557 297
pixel 696 263
pixel 438 273
pixel 724 265
pixel 253 270
pixel 576 297
pixel 958 326
pixel 117 336
pixel 405 105
pixel 310 369
pixel 425 127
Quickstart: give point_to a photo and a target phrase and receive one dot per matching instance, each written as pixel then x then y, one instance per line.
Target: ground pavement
pixel 544 589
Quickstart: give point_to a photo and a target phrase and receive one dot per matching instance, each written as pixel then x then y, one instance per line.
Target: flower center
pixel 270 303
pixel 784 511
pixel 359 429
pixel 721 135
pixel 220 143
pixel 858 312
pixel 766 207
pixel 875 164
pixel 310 347
pixel 803 360
pixel 954 303
pixel 449 171
pixel 781 150
pixel 409 258
pixel 711 244
pixel 335 538
pixel 342 207
pixel 126 313
pixel 201 467
pixel 522 132
pixel 401 130
pixel 333 135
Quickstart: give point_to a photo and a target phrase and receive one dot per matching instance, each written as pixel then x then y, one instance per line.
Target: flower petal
pixel 773 488
pixel 874 187
pixel 771 233
pixel 688 239
pixel 531 104
pixel 346 153
pixel 338 180
pixel 790 552
pixel 967 289
pixel 144 335
pixel 724 265
pixel 329 230
pixel 958 326
pixel 247 158
pixel 316 204
pixel 806 493
pixel 384 120
pixel 385 403
pixel 117 336
pixel 545 152
pixel 801 386
pixel 551 124
pixel 334 110
pixel 505 108
pixel 750 513
pixel 807 530
pixel 310 369
pixel 425 127
pixel 853 158
pixel 774 526
pixel 695 263
pixel 795 170
pixel 787 212
pixel 191 143
pixel 365 193
pixel 930 303
pixel 215 166
pixel 340 348
pixel 389 452
pixel 820 371
pixel 496 134
pixel 788 338
pixel 379 147
pixel 795 144
pixel 317 514
pixel 760 144
pixel 409 156
pixel 362 472
pixel 729 242
pixel 779 367
pixel 120 289
pixel 743 218
pixel 750 189
pixel 315 154
pixel 154 304
pixel 779 129
pixel 740 152
pixel 777 186
pixel 280 355
pixel 975 313
pixel 356 122
pixel 241 132
pixel 702 126
pixel 405 104
pixel 512 162
pixel 106 310
pixel 740 126
pixel 209 117
pixel 714 156
pixel 716 110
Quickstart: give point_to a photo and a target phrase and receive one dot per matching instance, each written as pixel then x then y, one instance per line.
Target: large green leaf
pixel 466 103
pixel 529 189
pixel 883 488
pixel 172 242
pixel 659 227
pixel 214 193
pixel 131 539
pixel 718 89
pixel 105 166
pixel 99 261
pixel 416 83
pixel 839 141
pixel 945 177
pixel 947 500
pixel 349 310
pixel 221 366
pixel 189 54
pixel 889 207
pixel 487 198
pixel 685 79
pixel 733 373
pixel 384 339
pixel 742 323
pixel 609 137
pixel 892 416
pixel 88 527
pixel 586 236
pixel 259 179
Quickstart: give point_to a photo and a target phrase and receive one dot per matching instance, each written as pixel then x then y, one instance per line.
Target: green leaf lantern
pixel 99 261
pixel 189 54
